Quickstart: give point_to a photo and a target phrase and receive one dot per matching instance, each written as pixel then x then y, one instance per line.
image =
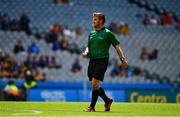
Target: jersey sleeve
pixel 113 39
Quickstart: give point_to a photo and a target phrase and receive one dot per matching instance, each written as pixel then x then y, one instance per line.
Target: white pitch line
pixel 28 112
pixel 37 112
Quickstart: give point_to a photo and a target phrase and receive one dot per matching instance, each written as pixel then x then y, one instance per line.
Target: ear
pixel 101 21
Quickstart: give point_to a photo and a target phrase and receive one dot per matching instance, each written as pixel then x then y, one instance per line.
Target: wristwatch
pixel 122 59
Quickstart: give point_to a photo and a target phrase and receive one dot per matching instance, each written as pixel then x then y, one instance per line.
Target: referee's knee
pixel 94 85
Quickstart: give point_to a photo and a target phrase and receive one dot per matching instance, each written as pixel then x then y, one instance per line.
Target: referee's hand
pixel 124 64
pixel 84 55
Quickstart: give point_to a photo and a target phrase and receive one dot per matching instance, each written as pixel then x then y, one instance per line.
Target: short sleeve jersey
pixel 100 42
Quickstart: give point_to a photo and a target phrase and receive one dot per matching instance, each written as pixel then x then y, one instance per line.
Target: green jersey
pixel 100 42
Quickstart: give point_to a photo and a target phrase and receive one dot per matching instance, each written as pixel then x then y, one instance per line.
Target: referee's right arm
pixel 85 53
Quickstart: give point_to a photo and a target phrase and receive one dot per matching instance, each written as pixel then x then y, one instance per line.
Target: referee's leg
pixel 95 94
pixel 99 91
pixel 95 91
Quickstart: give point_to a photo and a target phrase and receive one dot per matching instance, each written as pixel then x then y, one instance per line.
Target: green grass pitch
pixel 65 109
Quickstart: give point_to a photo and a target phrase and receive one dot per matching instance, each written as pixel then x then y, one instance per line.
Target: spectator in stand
pixel 123 29
pixel 54 28
pixel 61 30
pixel 116 69
pixel 146 20
pixel 153 20
pixel 22 71
pixel 14 25
pixel 31 61
pixel 24 23
pixel 113 27
pixel 61 1
pixel 78 31
pixel 3 71
pixel 144 54
pixel 7 66
pixel 112 61
pixel 53 63
pixel 129 72
pixel 15 69
pixel 69 32
pixel 153 55
pixel 178 25
pixel 47 61
pixel 41 62
pixel 51 37
pixel 38 76
pixel 18 47
pixel 4 22
pixel 122 74
pixel 76 67
pixel 137 71
pixel 64 44
pixel 34 62
pixel 55 46
pixel 33 49
pixel 28 60
pixel 166 19
pixel 149 55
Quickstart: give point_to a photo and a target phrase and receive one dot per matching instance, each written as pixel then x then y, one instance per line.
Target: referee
pixel 99 42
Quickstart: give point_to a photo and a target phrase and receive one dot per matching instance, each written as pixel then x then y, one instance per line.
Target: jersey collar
pixel 100 30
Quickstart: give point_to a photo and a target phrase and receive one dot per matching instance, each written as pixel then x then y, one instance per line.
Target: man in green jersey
pixel 99 42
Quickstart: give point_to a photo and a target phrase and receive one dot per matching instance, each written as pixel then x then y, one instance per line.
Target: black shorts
pixel 97 68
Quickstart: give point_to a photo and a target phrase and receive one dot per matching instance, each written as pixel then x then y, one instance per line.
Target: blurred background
pixel 41 42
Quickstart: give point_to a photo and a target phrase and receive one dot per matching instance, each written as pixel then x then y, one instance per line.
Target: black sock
pixel 103 95
pixel 95 94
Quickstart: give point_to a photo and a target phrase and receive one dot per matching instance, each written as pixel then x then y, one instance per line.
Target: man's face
pixel 96 22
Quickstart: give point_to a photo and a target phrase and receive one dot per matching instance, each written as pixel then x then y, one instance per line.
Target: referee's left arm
pixel 119 51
